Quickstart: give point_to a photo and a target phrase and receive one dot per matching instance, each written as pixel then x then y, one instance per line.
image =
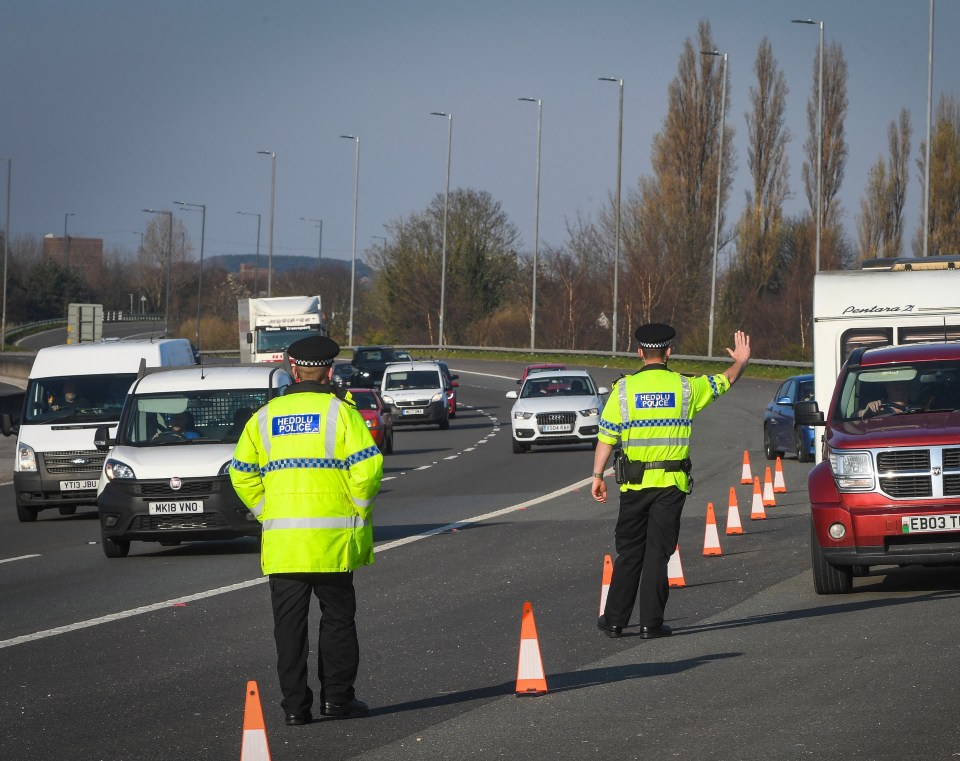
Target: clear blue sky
pixel 111 106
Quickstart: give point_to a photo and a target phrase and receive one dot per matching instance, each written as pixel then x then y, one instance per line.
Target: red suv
pixel 888 489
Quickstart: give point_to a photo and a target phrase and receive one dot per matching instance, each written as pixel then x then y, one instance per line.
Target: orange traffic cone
pixel 675 570
pixel 605 583
pixel 745 476
pixel 779 485
pixel 757 513
pixel 768 499
pixel 254 747
pixel 733 515
pixel 530 678
pixel 711 539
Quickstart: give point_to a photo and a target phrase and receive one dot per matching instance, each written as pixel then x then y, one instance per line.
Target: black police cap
pixel 313 351
pixel 654 335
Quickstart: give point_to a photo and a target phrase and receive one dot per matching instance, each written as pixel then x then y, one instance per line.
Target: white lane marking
pixel 470 449
pixel 452 457
pixel 253 582
pixel 19 557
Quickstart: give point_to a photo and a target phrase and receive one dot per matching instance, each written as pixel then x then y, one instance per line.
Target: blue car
pixel 780 433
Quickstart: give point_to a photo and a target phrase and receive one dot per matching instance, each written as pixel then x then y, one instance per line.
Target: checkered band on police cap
pixel 313 351
pixel 654 335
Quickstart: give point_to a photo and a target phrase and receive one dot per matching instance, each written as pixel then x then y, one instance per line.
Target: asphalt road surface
pixel 147 657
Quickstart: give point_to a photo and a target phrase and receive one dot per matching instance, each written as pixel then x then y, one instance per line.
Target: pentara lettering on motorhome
pixel 296 424
pixel 877 309
pixel 651 401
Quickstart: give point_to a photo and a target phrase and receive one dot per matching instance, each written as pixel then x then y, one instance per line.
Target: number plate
pixel 90 483
pixel 926 524
pixel 177 507
pixel 415 411
pixel 556 428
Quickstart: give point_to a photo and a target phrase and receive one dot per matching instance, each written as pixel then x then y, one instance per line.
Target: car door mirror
pixel 807 413
pixel 603 390
pixel 785 400
pixel 511 395
pixel 7 426
pixel 101 438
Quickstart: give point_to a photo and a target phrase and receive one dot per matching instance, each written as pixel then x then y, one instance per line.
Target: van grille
pixel 63 462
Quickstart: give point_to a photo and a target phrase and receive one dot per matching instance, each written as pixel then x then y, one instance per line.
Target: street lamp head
pixel 710 52
pixel 267 153
pixel 529 100
pixel 610 79
pixel 349 137
pixel 803 21
pixel 441 113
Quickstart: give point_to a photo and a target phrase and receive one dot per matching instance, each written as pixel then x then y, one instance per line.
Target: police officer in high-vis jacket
pixel 307 467
pixel 651 413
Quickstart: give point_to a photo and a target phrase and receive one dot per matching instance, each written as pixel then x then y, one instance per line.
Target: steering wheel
pixel 168 436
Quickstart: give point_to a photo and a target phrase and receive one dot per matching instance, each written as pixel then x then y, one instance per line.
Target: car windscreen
pixel 76 398
pixel 271 339
pixel 364 400
pixel 917 387
pixel 546 384
pixel 412 380
pixel 214 416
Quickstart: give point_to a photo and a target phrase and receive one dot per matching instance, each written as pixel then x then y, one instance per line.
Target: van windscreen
pixel 76 398
pixel 210 417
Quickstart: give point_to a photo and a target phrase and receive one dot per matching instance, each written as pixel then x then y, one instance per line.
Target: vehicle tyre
pixel 768 451
pixel 168 543
pixel 445 423
pixel 25 514
pixel 519 447
pixel 828 579
pixel 388 444
pixel 453 412
pixel 115 548
pixel 68 510
pixel 802 454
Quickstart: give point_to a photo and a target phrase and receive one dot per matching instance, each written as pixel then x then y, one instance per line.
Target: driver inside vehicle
pixel 181 426
pixel 895 401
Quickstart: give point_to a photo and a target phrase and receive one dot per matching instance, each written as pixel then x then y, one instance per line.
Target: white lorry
pixel 269 325
pixel 70 392
pixel 887 303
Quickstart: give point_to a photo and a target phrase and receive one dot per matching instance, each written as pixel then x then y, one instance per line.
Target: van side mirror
pixel 249 338
pixel 7 426
pixel 101 438
pixel 807 413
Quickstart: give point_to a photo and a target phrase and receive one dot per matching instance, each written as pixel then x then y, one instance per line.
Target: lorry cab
pixel 71 391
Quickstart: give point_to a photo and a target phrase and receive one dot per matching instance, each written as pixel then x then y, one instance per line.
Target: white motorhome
pixel 888 302
pixel 71 391
pixel 268 326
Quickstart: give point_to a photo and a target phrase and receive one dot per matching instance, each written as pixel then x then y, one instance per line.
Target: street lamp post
pixel 6 245
pixel 66 239
pixel 273 195
pixel 166 304
pixel 203 230
pixel 256 269
pixel 819 138
pixel 140 268
pixel 716 218
pixel 353 256
pixel 536 229
pixel 616 258
pixel 446 208
pixel 926 160
pixel 320 244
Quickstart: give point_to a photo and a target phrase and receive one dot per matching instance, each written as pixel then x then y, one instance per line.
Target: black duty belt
pixel 631 472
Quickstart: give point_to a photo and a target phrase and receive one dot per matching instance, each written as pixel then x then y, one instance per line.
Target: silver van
pixel 415 393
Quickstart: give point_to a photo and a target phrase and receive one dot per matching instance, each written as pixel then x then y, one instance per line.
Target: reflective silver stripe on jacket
pixel 330 435
pixel 683 441
pixel 624 411
pixel 685 397
pixel 346 522
pixel 257 509
pixel 263 425
pixel 362 502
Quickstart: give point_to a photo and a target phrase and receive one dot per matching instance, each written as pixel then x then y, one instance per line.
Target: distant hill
pixel 232 262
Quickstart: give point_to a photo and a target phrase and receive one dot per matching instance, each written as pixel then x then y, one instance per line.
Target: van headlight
pixel 387 399
pixel 437 397
pixel 853 471
pixel 26 459
pixel 113 469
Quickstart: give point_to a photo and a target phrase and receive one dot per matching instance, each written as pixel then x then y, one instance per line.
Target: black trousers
pixel 646 537
pixel 339 656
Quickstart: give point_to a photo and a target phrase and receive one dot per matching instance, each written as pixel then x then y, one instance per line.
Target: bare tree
pixel 758 232
pixel 834 149
pixel 880 223
pixel 944 222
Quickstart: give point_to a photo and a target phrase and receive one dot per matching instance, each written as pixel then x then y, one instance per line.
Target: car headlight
pixel 853 471
pixel 115 469
pixel 521 415
pixel 436 397
pixel 387 399
pixel 27 458
pixel 589 412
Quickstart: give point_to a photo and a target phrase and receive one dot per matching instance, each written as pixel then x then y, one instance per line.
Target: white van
pixel 166 478
pixel 415 393
pixel 71 391
pixel 887 303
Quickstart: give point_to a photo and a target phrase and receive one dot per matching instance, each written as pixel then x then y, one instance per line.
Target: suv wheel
pixel 828 579
pixel 115 548
pixel 519 447
pixel 25 514
pixel 802 454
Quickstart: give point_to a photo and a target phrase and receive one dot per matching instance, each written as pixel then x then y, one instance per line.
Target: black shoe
pixel 349 710
pixel 609 629
pixel 654 632
pixel 298 719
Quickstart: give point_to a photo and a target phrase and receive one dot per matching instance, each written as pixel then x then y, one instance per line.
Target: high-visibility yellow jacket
pixel 307 467
pixel 651 412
